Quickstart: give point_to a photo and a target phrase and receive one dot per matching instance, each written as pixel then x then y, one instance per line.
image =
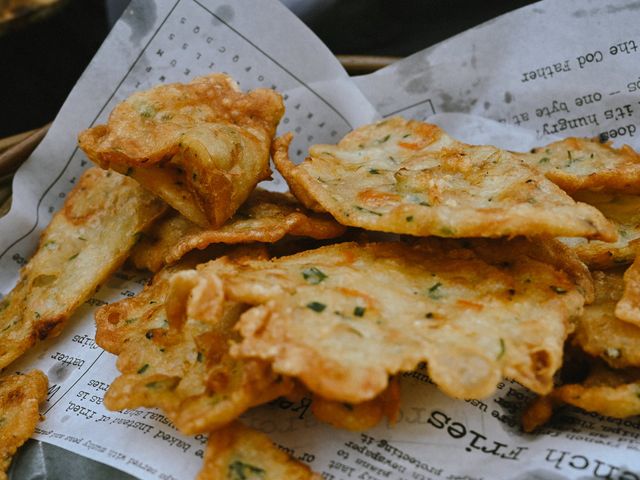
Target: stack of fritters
pixel 450 258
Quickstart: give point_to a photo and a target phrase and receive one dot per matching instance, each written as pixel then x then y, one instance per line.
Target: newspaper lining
pixel 556 68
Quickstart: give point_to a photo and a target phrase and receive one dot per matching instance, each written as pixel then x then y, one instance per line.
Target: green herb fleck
pixel 147 111
pixel 384 139
pixel 434 291
pixel 37 314
pixel 503 349
pixel 558 290
pixel 244 471
pixel 406 135
pixel 316 306
pixel 74 256
pixel 544 160
pixel 447 231
pixel 362 209
pixel 82 238
pixel 50 243
pixel 429 315
pixel 359 311
pixel 129 321
pixel 313 275
pixel 143 368
pixel 199 357
pixel 374 171
pixel 409 218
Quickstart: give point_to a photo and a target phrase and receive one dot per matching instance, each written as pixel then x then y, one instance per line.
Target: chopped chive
pixel 544 160
pixel 74 256
pixel 434 292
pixel 143 368
pixel 362 209
pixel 359 311
pixel 384 139
pixel 313 275
pixel 316 306
pixel 82 238
pixel 558 290
pixel 243 471
pixel 503 349
pixel 374 171
pixel 409 218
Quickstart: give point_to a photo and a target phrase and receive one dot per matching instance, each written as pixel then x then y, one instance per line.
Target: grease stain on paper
pixel 140 17
pixel 224 13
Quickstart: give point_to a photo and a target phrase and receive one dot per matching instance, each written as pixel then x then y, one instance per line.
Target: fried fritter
pixel 623 211
pixel 599 333
pixel 361 416
pixel 606 391
pixel 20 396
pixel 587 164
pixel 628 308
pixel 172 342
pixel 201 146
pixel 405 176
pixel 265 217
pixel 342 318
pixel 84 244
pixel 236 452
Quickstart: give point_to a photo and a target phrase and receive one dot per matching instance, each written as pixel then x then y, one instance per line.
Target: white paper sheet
pixel 259 43
pixel 564 67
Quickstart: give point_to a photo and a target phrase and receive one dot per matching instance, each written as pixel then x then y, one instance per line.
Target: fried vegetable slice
pixel 20 396
pixel 360 416
pixel 172 342
pixel 201 146
pixel 344 317
pixel 265 217
pixel 237 452
pixel 86 241
pixel 599 333
pixel 614 393
pixel 628 308
pixel 623 211
pixel 405 176
pixel 587 164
